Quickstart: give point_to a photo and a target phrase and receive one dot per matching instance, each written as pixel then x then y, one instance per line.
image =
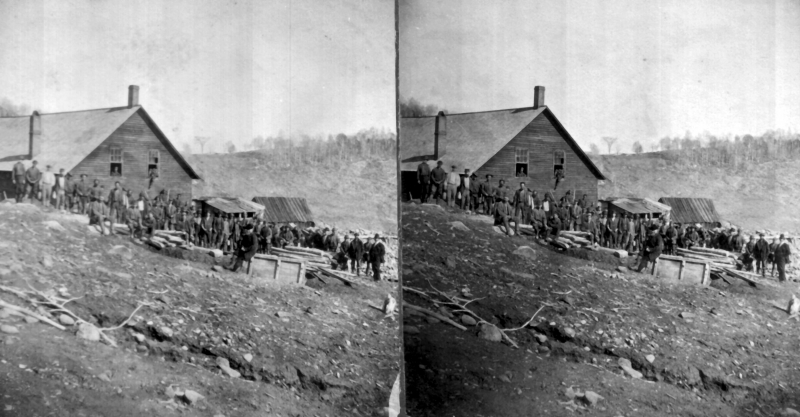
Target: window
pixel 521 168
pixel 559 163
pixel 152 163
pixel 116 162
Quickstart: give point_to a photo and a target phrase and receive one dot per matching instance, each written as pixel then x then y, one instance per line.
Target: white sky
pixel 227 69
pixel 635 69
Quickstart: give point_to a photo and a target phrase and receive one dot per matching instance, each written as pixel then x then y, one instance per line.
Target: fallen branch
pixel 526 323
pixel 126 320
pixel 416 291
pixel 434 315
pixel 32 314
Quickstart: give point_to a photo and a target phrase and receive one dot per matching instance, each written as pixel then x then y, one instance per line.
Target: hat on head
pixel 439 163
pixel 377 235
pixel 782 236
pixel 248 226
pixel 653 227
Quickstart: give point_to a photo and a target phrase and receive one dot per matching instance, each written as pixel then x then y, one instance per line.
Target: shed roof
pixel 232 205
pixel 285 209
pixel 69 137
pixel 691 210
pixel 640 205
pixel 473 138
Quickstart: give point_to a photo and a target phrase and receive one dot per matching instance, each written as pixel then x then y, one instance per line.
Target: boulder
pixel 88 331
pixel 490 332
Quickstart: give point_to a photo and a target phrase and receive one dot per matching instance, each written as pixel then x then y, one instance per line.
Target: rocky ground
pixel 606 342
pixel 204 341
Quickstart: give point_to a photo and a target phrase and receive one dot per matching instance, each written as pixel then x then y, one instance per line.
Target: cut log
pixel 718 252
pixel 333 274
pixel 576 233
pixel 155 244
pixel 311 251
pixel 216 252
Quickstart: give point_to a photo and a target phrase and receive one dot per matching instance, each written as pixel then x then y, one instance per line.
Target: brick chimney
pixel 133 96
pixel 538 97
pixel 440 136
pixel 35 136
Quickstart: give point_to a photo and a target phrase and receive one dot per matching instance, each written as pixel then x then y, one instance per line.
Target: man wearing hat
pixel 502 212
pixel 47 182
pixel 464 186
pixel 62 188
pixel 424 179
pixel 32 178
pixel 341 253
pixel 266 238
pixel 749 254
pixel 356 252
pixel 247 250
pixel 453 180
pixel 692 238
pixel 521 204
pixel 133 218
pixel 539 221
pixel 487 192
pixel 653 246
pixel 474 193
pixel 782 257
pixel 365 258
pixel 438 177
pixel 18 179
pixel 98 213
pixel 376 257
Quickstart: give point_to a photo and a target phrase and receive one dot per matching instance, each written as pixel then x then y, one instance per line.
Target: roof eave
pixel 575 147
pixel 181 160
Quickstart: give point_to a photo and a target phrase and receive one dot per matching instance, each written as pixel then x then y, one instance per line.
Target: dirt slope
pixel 765 196
pixel 327 354
pixel 359 195
pixel 737 356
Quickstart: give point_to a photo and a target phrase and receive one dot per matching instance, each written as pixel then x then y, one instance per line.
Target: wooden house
pixel 236 207
pixel 526 144
pixel 636 206
pixel 113 144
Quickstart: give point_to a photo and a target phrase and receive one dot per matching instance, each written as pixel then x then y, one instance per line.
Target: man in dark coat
pixel 265 239
pixel 782 257
pixel 206 230
pixel 438 177
pixel 341 253
pixel 32 178
pixel 474 193
pixel 247 249
pixel 18 178
pixel 749 254
pixel 612 230
pixel 376 257
pixel 502 212
pixel 365 257
pixel 355 252
pixel 771 257
pixel 424 180
pixel 488 195
pixel 332 241
pixel 522 206
pixel 653 246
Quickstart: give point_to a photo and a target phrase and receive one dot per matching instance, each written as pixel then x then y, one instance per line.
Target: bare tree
pixel 413 108
pixel 609 141
pixel 594 149
pixel 637 147
pixel 202 141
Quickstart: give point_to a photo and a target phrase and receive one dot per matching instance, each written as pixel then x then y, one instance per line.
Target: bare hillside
pixel 763 196
pixel 355 195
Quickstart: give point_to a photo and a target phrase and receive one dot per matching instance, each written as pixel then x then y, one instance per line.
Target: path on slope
pixel 736 356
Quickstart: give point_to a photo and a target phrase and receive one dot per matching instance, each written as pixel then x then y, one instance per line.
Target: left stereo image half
pixel 198 209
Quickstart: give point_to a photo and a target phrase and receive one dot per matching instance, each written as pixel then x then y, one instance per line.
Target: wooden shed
pixel 238 207
pixel 285 210
pixel 692 211
pixel 112 144
pixel 636 206
pixel 526 144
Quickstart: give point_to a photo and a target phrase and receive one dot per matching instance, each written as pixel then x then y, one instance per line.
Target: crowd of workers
pixel 144 215
pixel 643 234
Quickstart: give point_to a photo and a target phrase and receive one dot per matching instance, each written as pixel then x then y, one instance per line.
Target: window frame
pixel 157 161
pixel 563 164
pixel 519 153
pixel 114 153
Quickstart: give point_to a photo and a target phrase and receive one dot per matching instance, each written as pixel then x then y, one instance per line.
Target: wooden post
pixel 301 273
pixel 680 271
pixel 655 268
pixel 277 268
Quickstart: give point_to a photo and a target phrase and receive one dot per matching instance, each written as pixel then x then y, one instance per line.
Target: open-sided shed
pixel 687 210
pixel 284 210
pixel 238 207
pixel 638 206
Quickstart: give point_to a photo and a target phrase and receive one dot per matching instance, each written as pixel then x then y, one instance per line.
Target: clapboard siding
pixel 542 139
pixel 136 137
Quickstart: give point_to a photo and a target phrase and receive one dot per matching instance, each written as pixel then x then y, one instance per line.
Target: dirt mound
pixel 350 196
pixel 293 350
pixel 720 350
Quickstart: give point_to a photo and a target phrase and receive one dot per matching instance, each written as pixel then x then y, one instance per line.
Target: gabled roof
pixel 67 138
pixel 232 205
pixel 285 209
pixel 640 205
pixel 474 138
pixel 691 210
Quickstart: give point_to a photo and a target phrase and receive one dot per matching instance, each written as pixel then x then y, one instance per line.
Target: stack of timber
pixel 313 257
pixel 717 258
pixel 321 274
pixel 560 242
pixel 577 238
